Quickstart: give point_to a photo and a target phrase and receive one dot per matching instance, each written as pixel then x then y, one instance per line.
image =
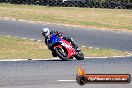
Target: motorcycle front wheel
pixel 61 53
pixel 79 55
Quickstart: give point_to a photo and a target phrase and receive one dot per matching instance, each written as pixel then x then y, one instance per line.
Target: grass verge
pixel 88 17
pixel 16 48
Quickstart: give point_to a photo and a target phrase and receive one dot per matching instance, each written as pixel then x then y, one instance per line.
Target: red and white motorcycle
pixel 64 49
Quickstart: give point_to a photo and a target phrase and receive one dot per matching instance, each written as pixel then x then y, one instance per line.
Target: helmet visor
pixel 44 33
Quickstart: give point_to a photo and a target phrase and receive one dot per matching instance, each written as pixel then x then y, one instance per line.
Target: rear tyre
pixel 61 53
pixel 79 56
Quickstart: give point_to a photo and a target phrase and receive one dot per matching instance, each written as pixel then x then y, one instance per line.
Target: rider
pixel 46 33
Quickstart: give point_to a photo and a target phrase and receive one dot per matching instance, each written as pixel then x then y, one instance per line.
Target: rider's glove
pixel 59 34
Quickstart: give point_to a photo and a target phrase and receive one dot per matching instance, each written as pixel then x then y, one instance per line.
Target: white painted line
pixel 55 58
pixel 66 80
pixel 83 46
pixel 97 48
pixel 118 56
pixel 15 37
pixel 89 29
pixel 32 39
pixel 129 55
pixel 95 57
pixel 39 40
pixel 14 60
pixel 30 59
pixel 24 38
pixel 90 47
pixel 127 52
pixel 8 36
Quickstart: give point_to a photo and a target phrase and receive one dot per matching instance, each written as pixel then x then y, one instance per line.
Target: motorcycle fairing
pixel 71 51
pixel 54 40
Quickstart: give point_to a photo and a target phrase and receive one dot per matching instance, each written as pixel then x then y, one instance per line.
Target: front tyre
pixel 79 56
pixel 54 54
pixel 61 53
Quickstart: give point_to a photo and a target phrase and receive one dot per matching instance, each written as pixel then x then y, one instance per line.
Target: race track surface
pixel 62 74
pixel 46 74
pixel 83 36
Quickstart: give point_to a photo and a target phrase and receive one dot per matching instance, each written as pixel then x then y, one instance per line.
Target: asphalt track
pixel 61 74
pixel 83 36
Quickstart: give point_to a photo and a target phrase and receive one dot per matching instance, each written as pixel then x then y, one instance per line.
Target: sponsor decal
pixel 66 45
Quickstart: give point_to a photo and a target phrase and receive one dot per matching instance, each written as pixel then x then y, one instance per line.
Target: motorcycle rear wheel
pixel 60 53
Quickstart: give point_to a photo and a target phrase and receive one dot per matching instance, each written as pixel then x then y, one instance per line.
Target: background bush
pixel 119 4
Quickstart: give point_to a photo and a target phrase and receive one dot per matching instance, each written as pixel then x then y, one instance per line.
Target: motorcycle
pixel 63 49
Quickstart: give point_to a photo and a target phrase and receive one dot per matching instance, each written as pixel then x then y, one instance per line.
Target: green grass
pixel 87 17
pixel 13 48
pixel 16 48
pixel 101 52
